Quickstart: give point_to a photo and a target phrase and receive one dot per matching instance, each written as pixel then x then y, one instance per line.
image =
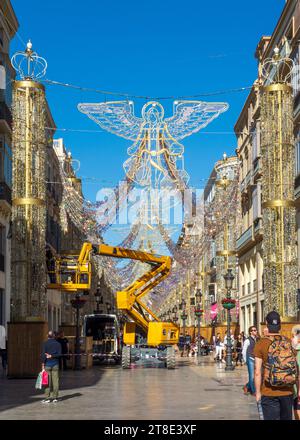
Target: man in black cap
pixel 276 400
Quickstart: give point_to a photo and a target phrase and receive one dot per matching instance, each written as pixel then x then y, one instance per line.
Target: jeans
pixel 63 362
pixel 250 384
pixel 277 408
pixel 53 382
pixel 239 357
pixel 219 352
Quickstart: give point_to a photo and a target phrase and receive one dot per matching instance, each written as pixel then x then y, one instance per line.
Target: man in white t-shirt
pixel 3 346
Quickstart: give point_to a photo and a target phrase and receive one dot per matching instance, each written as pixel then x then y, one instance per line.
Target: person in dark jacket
pixel 64 350
pixel 50 362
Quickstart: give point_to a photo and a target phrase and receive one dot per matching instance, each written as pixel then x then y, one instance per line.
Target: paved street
pixel 191 391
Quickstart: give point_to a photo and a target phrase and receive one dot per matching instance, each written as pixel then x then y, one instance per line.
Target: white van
pixel 106 336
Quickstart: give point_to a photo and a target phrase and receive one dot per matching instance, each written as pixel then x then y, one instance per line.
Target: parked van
pixel 106 336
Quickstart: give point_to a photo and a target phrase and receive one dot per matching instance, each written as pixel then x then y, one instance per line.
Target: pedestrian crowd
pixel 272 361
pixel 237 344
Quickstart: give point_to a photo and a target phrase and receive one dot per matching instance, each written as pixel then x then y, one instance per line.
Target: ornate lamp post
pixel 98 298
pixel 77 303
pixel 198 313
pixel 228 304
pixel 183 317
pixel 175 317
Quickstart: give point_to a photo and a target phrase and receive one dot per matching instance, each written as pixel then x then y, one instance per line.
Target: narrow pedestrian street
pixel 149 214
pixel 190 392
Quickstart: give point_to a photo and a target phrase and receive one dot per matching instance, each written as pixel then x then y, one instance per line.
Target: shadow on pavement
pixel 19 392
pixel 70 396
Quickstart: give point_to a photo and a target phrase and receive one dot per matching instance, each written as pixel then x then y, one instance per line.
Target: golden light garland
pixel 279 212
pixel 28 194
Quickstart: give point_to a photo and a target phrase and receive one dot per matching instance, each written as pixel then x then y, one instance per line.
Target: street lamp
pixel 183 317
pixel 77 303
pixel 228 304
pixel 198 313
pixel 98 298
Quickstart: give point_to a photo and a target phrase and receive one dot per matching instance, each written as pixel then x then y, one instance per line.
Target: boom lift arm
pixel 78 273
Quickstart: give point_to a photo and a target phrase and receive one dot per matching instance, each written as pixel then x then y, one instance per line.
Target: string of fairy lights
pixel 155 162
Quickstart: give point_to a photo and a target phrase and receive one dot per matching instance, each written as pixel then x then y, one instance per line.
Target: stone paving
pixel 190 392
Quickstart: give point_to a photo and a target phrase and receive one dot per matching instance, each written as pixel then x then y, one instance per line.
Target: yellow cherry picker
pixel 72 272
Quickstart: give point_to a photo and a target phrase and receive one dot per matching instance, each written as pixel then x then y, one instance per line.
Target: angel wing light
pixel 191 116
pixel 156 157
pixel 116 117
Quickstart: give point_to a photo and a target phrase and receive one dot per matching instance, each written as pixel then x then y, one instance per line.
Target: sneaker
pixel 245 389
pixel 54 400
pixel 46 401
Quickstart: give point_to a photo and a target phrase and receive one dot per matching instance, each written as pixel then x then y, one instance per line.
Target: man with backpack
pixel 276 372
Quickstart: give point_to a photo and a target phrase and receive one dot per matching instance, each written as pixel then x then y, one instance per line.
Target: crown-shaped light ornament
pixel 277 69
pixel 28 64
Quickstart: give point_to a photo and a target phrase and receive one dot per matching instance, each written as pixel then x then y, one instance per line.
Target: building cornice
pixel 49 117
pixel 285 16
pixel 9 13
pixel 240 124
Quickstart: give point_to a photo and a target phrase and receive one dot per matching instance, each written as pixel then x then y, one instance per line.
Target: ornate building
pixel 252 141
pixel 220 232
pixel 216 239
pixel 8 27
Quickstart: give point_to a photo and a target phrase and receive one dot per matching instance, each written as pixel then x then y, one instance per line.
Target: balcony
pixel 258 228
pixel 242 186
pixel 247 179
pixel 245 240
pixel 257 168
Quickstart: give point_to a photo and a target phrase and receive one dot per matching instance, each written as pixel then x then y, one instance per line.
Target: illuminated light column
pixel 279 213
pixel 29 298
pixel 225 190
pixel 29 200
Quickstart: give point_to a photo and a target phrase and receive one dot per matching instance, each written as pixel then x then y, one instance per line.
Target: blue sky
pixel 152 48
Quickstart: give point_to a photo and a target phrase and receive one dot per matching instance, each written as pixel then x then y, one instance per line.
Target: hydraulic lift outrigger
pixel 72 272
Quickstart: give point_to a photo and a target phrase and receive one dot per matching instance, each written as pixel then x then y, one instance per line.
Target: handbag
pixel 45 377
pixel 38 383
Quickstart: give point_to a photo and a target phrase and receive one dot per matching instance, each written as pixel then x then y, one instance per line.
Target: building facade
pixel 63 235
pixel 216 239
pixel 8 27
pixel 249 242
pixel 220 233
pixel 248 131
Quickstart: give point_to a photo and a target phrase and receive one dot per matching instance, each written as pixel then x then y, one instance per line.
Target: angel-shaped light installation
pixel 156 157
